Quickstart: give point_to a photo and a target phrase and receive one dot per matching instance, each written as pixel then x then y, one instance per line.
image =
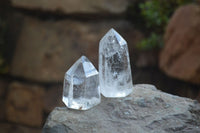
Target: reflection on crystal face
pixel 114 66
pixel 81 85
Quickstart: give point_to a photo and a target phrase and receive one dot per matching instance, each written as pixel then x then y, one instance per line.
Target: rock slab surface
pixel 23 104
pixel 45 50
pixel 180 57
pixel 146 110
pixel 74 6
pixel 9 128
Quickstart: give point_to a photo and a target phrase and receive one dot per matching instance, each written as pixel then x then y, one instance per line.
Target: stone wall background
pixel 44 38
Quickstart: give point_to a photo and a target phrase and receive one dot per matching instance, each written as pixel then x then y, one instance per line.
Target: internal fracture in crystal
pixel 115 77
pixel 81 85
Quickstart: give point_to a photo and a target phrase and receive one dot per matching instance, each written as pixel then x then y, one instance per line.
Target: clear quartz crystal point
pixel 81 85
pixel 115 77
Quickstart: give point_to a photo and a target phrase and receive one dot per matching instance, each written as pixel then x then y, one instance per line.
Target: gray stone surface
pixel 146 110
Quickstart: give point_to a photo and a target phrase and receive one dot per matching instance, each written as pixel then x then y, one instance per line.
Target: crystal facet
pixel 115 77
pixel 81 85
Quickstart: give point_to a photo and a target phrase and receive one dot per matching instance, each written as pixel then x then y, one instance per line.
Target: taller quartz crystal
pixel 81 85
pixel 115 77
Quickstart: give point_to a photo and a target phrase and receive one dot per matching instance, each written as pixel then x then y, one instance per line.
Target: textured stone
pixel 81 85
pixel 146 110
pixel 11 128
pixel 115 78
pixel 55 45
pixel 52 98
pixel 24 104
pixel 180 57
pixel 75 6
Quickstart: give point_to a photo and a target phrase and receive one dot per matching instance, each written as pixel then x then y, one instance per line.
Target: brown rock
pixel 46 49
pixel 24 104
pixel 180 57
pixel 53 98
pixel 10 128
pixel 75 6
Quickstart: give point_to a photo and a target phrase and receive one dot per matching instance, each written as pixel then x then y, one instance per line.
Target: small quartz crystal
pixel 81 85
pixel 115 77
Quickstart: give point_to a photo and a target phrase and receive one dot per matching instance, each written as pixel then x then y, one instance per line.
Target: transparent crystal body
pixel 115 77
pixel 81 85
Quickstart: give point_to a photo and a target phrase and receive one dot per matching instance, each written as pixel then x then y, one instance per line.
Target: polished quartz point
pixel 115 77
pixel 81 85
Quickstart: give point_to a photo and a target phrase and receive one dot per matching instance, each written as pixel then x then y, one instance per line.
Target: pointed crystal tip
pixel 83 57
pixel 112 29
pixel 113 35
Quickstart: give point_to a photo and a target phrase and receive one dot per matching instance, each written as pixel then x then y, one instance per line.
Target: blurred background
pixel 40 40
